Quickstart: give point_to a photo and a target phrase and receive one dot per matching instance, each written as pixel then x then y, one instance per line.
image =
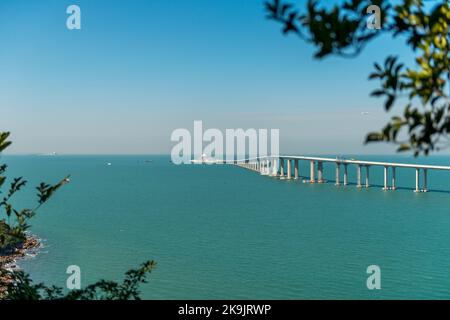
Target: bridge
pixel 287 167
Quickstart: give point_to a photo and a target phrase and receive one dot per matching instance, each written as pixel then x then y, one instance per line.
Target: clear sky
pixel 137 70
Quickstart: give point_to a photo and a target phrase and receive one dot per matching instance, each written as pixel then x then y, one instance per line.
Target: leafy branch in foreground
pixel 424 124
pixel 14 222
pixel 17 285
pixel 20 287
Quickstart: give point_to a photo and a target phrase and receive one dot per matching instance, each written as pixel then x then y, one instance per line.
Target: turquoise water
pixel 226 232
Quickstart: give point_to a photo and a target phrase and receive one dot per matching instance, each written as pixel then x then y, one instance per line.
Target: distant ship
pixel 49 154
pixel 204 160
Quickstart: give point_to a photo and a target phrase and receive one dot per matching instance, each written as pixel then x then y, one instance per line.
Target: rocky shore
pixel 8 259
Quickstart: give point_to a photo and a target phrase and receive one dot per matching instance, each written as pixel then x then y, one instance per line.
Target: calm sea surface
pixel 225 232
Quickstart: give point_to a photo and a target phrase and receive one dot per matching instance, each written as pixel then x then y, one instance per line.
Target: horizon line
pixel 168 154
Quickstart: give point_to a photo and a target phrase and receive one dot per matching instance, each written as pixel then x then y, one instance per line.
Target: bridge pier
pixel 417 181
pixel 281 168
pixel 295 169
pixel 320 172
pixel 367 177
pixel 425 181
pixel 345 174
pixel 393 179
pixel 386 187
pixel 338 174
pixel 358 178
pixel 312 170
pixel 275 167
pixel 289 173
pixel 425 188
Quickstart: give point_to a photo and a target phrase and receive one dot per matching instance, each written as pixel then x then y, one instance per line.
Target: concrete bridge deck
pixel 281 166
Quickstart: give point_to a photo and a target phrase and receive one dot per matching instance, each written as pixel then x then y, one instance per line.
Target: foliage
pixel 17 285
pixel 424 125
pixel 20 287
pixel 12 231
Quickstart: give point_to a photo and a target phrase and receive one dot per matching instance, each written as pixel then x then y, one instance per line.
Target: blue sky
pixel 139 69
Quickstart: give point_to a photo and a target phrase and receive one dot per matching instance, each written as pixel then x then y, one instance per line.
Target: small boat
pixel 204 160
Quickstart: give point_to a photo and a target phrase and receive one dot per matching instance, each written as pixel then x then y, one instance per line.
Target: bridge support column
pixel 296 169
pixel 393 179
pixel 345 174
pixel 320 172
pixel 338 174
pixel 312 170
pixel 289 171
pixel 275 167
pixel 358 173
pixel 425 188
pixel 282 168
pixel 367 177
pixel 417 181
pixel 385 179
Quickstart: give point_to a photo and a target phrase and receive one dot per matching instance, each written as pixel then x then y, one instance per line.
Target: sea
pixel 224 232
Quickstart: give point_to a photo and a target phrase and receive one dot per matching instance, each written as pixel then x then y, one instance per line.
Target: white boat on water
pixel 204 160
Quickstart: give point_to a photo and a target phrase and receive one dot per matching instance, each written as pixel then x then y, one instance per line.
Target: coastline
pixel 9 260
